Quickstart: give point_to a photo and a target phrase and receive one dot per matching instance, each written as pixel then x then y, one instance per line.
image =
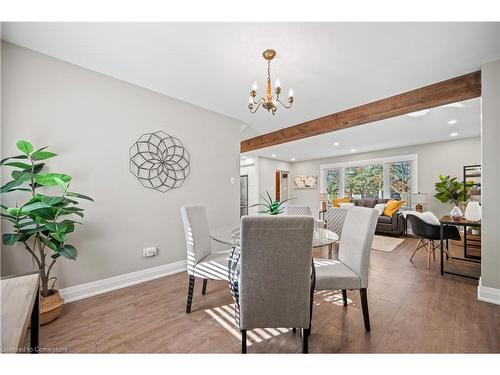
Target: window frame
pixel 385 161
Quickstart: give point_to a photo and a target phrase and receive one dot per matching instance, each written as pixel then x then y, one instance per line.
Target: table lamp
pixel 323 198
pixel 419 199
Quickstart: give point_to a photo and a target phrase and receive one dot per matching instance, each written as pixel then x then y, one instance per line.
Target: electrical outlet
pixel 149 251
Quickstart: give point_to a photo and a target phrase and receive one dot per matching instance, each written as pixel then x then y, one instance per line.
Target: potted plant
pixel 43 222
pixel 272 207
pixel 450 190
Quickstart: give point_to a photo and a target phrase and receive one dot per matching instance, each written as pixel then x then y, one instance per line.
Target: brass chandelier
pixel 268 102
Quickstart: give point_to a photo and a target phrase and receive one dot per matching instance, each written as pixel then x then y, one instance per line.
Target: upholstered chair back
pixel 196 230
pixel 335 218
pixel 356 240
pixel 295 209
pixel 275 271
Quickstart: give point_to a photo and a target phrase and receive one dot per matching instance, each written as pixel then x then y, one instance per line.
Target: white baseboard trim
pixel 487 294
pixel 94 288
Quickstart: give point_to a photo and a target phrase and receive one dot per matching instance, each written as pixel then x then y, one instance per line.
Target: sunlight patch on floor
pixel 224 315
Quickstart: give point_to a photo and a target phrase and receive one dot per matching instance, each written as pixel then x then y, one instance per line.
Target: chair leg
pixel 305 340
pixel 429 251
pixel 294 330
pixel 243 341
pixel 416 249
pixel 364 307
pixel 190 293
pixel 204 289
pixel 344 296
pixel 434 247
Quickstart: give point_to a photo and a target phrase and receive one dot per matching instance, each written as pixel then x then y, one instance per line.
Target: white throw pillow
pixel 380 207
pixel 427 216
pixel 345 204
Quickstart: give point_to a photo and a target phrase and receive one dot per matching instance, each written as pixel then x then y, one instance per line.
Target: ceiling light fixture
pixel 293 159
pixel 273 155
pixel 453 134
pixel 268 102
pixel 353 150
pixel 451 122
pixel 336 143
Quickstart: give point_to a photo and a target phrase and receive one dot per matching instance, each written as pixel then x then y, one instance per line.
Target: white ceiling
pixel 391 133
pixel 330 66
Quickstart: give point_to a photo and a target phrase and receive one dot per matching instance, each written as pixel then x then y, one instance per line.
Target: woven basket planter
pixel 50 307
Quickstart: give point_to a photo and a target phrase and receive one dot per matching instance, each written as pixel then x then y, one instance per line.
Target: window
pixel 400 180
pixel 332 183
pixel 364 181
pixel 394 177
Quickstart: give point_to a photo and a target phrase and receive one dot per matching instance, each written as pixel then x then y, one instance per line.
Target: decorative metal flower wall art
pixel 160 161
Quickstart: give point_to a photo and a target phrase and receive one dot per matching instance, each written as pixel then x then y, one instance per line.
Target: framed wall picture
pixel 305 182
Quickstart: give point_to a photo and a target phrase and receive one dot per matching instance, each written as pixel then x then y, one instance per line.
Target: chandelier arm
pixel 259 103
pixel 261 100
pixel 284 105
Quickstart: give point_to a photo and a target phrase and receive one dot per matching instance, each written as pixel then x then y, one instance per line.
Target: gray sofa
pixel 394 225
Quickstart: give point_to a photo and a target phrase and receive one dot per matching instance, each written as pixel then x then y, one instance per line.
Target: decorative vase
pixel 456 213
pixel 50 307
pixel 473 211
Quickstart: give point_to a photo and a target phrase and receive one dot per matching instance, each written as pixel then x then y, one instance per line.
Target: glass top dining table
pixel 230 235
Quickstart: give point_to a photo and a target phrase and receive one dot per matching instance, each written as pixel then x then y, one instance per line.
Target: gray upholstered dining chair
pixel 350 271
pixel 273 286
pixel 297 209
pixel 201 261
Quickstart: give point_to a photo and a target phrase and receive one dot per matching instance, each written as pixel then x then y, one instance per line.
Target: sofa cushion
pixel 384 219
pixel 368 202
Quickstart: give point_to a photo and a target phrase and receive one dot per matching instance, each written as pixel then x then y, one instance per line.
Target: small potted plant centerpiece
pixel 271 206
pixel 43 222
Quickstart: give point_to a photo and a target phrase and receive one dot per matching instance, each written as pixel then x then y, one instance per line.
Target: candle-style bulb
pixel 254 86
pixel 277 83
pixel 250 100
pixel 290 93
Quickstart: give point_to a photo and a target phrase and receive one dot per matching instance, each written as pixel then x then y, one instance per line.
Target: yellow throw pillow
pixel 392 206
pixel 337 201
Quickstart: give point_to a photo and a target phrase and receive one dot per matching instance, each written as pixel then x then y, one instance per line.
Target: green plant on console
pixel 272 207
pixel 450 190
pixel 37 223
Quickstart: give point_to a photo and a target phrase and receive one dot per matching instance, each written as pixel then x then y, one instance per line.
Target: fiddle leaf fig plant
pixel 43 222
pixel 272 207
pixel 450 190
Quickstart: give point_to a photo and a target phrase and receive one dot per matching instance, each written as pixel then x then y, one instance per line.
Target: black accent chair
pixel 429 233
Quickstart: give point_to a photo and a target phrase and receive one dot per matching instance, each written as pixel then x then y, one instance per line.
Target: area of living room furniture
pixel 394 225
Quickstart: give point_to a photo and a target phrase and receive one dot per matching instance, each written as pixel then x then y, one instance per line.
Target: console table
pixel 20 305
pixel 447 220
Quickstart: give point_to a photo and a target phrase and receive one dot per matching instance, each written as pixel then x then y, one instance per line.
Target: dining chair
pixel 201 261
pixel 296 209
pixel 428 233
pixel 273 286
pixel 350 271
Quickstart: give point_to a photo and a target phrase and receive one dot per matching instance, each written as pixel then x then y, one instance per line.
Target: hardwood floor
pixel 412 310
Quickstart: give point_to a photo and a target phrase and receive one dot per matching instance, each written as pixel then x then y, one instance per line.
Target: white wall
pixel 490 189
pixel 250 167
pixel 91 121
pixel 445 158
pixel 267 175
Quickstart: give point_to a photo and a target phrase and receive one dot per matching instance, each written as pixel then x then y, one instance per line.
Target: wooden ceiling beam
pixel 452 90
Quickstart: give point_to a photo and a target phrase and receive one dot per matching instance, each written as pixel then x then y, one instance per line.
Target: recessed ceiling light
pixel 353 150
pixel 451 122
pixel 421 113
pixel 336 143
pixel 243 157
pixel 293 159
pixel 453 134
pixel 273 155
